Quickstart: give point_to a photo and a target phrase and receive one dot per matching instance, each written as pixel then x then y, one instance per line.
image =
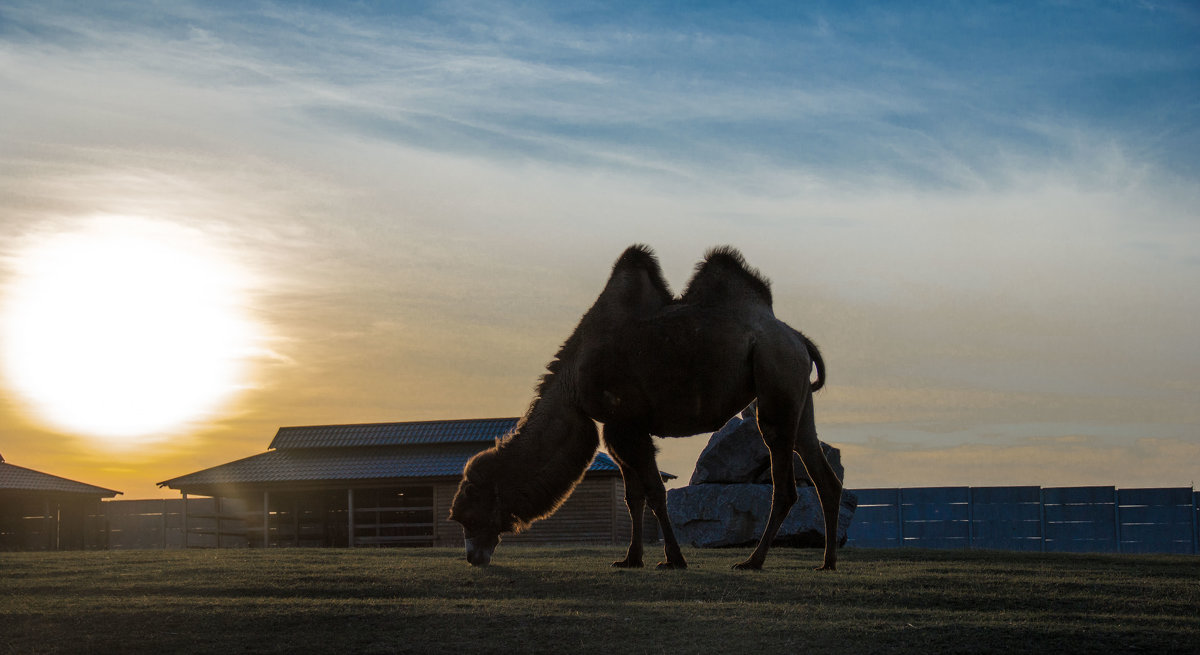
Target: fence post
pixel 1117 516
pixel 1042 512
pixel 900 517
pixel 970 517
pixel 1195 522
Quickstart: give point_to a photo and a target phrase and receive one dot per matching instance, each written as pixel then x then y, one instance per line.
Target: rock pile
pixel 729 496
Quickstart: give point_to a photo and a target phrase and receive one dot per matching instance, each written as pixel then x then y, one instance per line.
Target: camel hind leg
pixel 785 418
pixel 824 479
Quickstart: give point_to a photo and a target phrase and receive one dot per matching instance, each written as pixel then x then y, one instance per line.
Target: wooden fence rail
pixel 172 523
pixel 1059 519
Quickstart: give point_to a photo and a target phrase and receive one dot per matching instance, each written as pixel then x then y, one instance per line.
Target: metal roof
pixel 364 451
pixel 19 478
pixel 345 464
pixel 394 434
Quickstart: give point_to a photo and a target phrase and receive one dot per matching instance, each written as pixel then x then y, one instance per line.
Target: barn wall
pixel 445 531
pixel 587 516
pixel 33 521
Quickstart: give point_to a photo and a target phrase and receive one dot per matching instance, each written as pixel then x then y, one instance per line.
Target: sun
pixel 124 329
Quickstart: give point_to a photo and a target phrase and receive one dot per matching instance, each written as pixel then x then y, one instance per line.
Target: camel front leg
pixel 657 500
pixel 779 439
pixel 633 451
pixel 635 501
pixel 783 497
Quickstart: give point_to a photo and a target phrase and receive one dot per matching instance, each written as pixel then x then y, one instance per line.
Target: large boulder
pixel 715 515
pixel 736 454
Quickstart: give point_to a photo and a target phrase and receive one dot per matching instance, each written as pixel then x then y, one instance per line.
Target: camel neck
pixel 547 455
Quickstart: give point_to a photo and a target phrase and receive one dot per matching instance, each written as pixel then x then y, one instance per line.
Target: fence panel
pixel 876 520
pixel 935 517
pixel 137 524
pixel 1156 521
pixel 1081 519
pixel 1006 518
pixel 1065 519
pixel 150 524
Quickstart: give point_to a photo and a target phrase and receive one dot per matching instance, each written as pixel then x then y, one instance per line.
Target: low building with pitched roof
pixel 390 484
pixel 39 511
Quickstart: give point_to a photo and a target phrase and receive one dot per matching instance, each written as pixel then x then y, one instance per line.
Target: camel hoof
pixel 748 565
pixel 664 566
pixel 627 564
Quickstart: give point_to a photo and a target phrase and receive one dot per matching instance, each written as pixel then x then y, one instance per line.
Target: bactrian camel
pixel 642 362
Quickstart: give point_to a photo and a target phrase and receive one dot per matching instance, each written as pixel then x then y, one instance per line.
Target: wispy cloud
pixel 833 101
pixel 962 205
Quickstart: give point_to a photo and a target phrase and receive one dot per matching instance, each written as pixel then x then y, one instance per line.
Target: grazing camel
pixel 642 363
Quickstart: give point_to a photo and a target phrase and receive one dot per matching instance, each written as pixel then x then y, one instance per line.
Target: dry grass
pixel 568 600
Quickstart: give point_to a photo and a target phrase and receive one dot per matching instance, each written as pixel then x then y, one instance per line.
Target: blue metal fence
pixel 1059 519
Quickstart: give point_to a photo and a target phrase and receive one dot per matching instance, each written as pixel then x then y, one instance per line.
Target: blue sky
pixel 984 213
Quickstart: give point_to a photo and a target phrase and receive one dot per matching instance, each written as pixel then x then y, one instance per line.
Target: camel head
pixel 477 507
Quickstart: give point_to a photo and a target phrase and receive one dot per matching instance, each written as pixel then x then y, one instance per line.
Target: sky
pixel 986 214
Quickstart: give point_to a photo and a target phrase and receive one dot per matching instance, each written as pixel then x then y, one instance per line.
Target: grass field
pixel 556 600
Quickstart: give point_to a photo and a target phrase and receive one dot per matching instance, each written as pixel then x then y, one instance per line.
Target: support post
pixel 48 522
pixel 350 517
pixel 612 501
pixel 437 531
pixel 185 519
pixel 266 518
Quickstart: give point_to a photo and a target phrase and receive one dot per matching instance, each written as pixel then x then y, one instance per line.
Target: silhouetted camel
pixel 644 363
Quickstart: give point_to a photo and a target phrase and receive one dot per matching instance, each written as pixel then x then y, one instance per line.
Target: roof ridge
pixel 396 432
pixel 380 423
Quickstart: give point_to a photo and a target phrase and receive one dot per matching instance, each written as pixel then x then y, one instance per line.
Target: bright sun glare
pixel 124 329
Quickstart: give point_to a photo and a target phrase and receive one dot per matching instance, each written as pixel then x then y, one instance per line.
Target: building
pixel 388 484
pixel 39 511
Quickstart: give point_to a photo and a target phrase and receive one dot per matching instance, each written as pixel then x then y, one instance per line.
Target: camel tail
pixel 818 361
